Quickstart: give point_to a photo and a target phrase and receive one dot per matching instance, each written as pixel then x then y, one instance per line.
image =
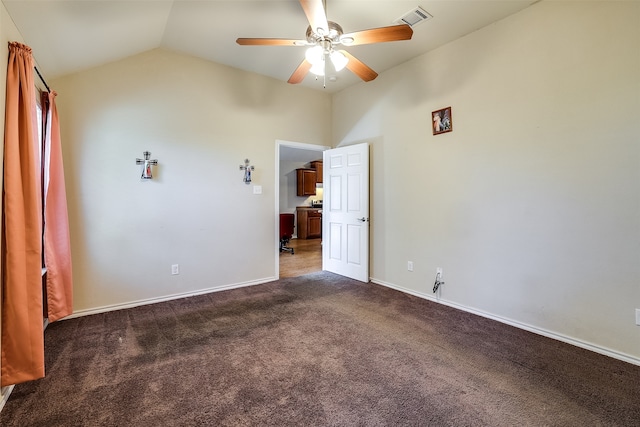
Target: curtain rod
pixel 42 78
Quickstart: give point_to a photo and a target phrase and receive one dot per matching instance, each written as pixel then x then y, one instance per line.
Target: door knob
pixel 363 219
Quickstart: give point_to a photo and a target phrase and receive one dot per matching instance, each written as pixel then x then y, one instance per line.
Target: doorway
pixel 307 252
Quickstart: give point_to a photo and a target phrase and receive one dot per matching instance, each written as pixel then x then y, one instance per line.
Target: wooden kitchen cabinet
pixel 306 182
pixel 314 226
pixel 309 222
pixel 317 166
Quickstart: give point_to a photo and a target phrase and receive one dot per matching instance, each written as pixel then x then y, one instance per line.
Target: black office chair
pixel 286 231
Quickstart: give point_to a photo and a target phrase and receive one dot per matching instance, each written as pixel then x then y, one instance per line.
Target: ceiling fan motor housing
pixel 335 31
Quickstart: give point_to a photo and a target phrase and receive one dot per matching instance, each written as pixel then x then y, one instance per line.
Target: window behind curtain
pixel 40 121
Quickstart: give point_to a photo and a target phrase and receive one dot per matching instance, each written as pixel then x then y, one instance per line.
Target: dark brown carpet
pixel 316 350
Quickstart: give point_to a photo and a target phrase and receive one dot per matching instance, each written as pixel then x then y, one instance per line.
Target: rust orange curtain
pixel 22 321
pixel 57 249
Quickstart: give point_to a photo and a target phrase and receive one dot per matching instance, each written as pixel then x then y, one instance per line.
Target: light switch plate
pixel 257 189
pixel 638 316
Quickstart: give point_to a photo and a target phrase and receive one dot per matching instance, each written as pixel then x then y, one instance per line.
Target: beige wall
pixel 531 205
pixel 200 120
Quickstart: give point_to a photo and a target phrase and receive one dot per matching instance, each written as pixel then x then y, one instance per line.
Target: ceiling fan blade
pixel 317 17
pixel 359 68
pixel 270 42
pixel 300 73
pixel 379 35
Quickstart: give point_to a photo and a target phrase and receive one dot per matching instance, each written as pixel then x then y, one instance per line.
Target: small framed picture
pixel 441 120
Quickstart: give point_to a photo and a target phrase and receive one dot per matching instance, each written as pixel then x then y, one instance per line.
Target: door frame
pixel 291 144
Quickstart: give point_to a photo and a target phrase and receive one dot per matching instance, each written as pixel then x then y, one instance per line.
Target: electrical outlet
pixel 175 269
pixel 638 316
pixel 439 272
pixel 410 265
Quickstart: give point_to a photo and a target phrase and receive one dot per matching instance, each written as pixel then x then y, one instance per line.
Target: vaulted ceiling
pixel 70 36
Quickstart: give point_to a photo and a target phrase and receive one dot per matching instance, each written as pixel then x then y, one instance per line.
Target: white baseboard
pixel 114 307
pixel 5 392
pixel 549 334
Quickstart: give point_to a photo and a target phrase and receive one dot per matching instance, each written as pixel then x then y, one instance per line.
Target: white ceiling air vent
pixel 414 17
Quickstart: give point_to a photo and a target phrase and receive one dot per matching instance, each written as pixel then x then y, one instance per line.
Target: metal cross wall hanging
pixel 247 171
pixel 146 169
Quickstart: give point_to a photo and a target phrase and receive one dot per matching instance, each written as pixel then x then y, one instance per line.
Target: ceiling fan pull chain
pixel 324 75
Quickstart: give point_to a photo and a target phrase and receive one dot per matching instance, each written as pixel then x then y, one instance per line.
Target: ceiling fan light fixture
pixel 318 69
pixel 315 55
pixel 339 60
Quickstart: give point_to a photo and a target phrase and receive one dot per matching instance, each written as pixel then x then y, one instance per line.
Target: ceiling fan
pixel 323 36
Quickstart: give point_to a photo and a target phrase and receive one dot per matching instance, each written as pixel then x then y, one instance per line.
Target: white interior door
pixel 345 211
